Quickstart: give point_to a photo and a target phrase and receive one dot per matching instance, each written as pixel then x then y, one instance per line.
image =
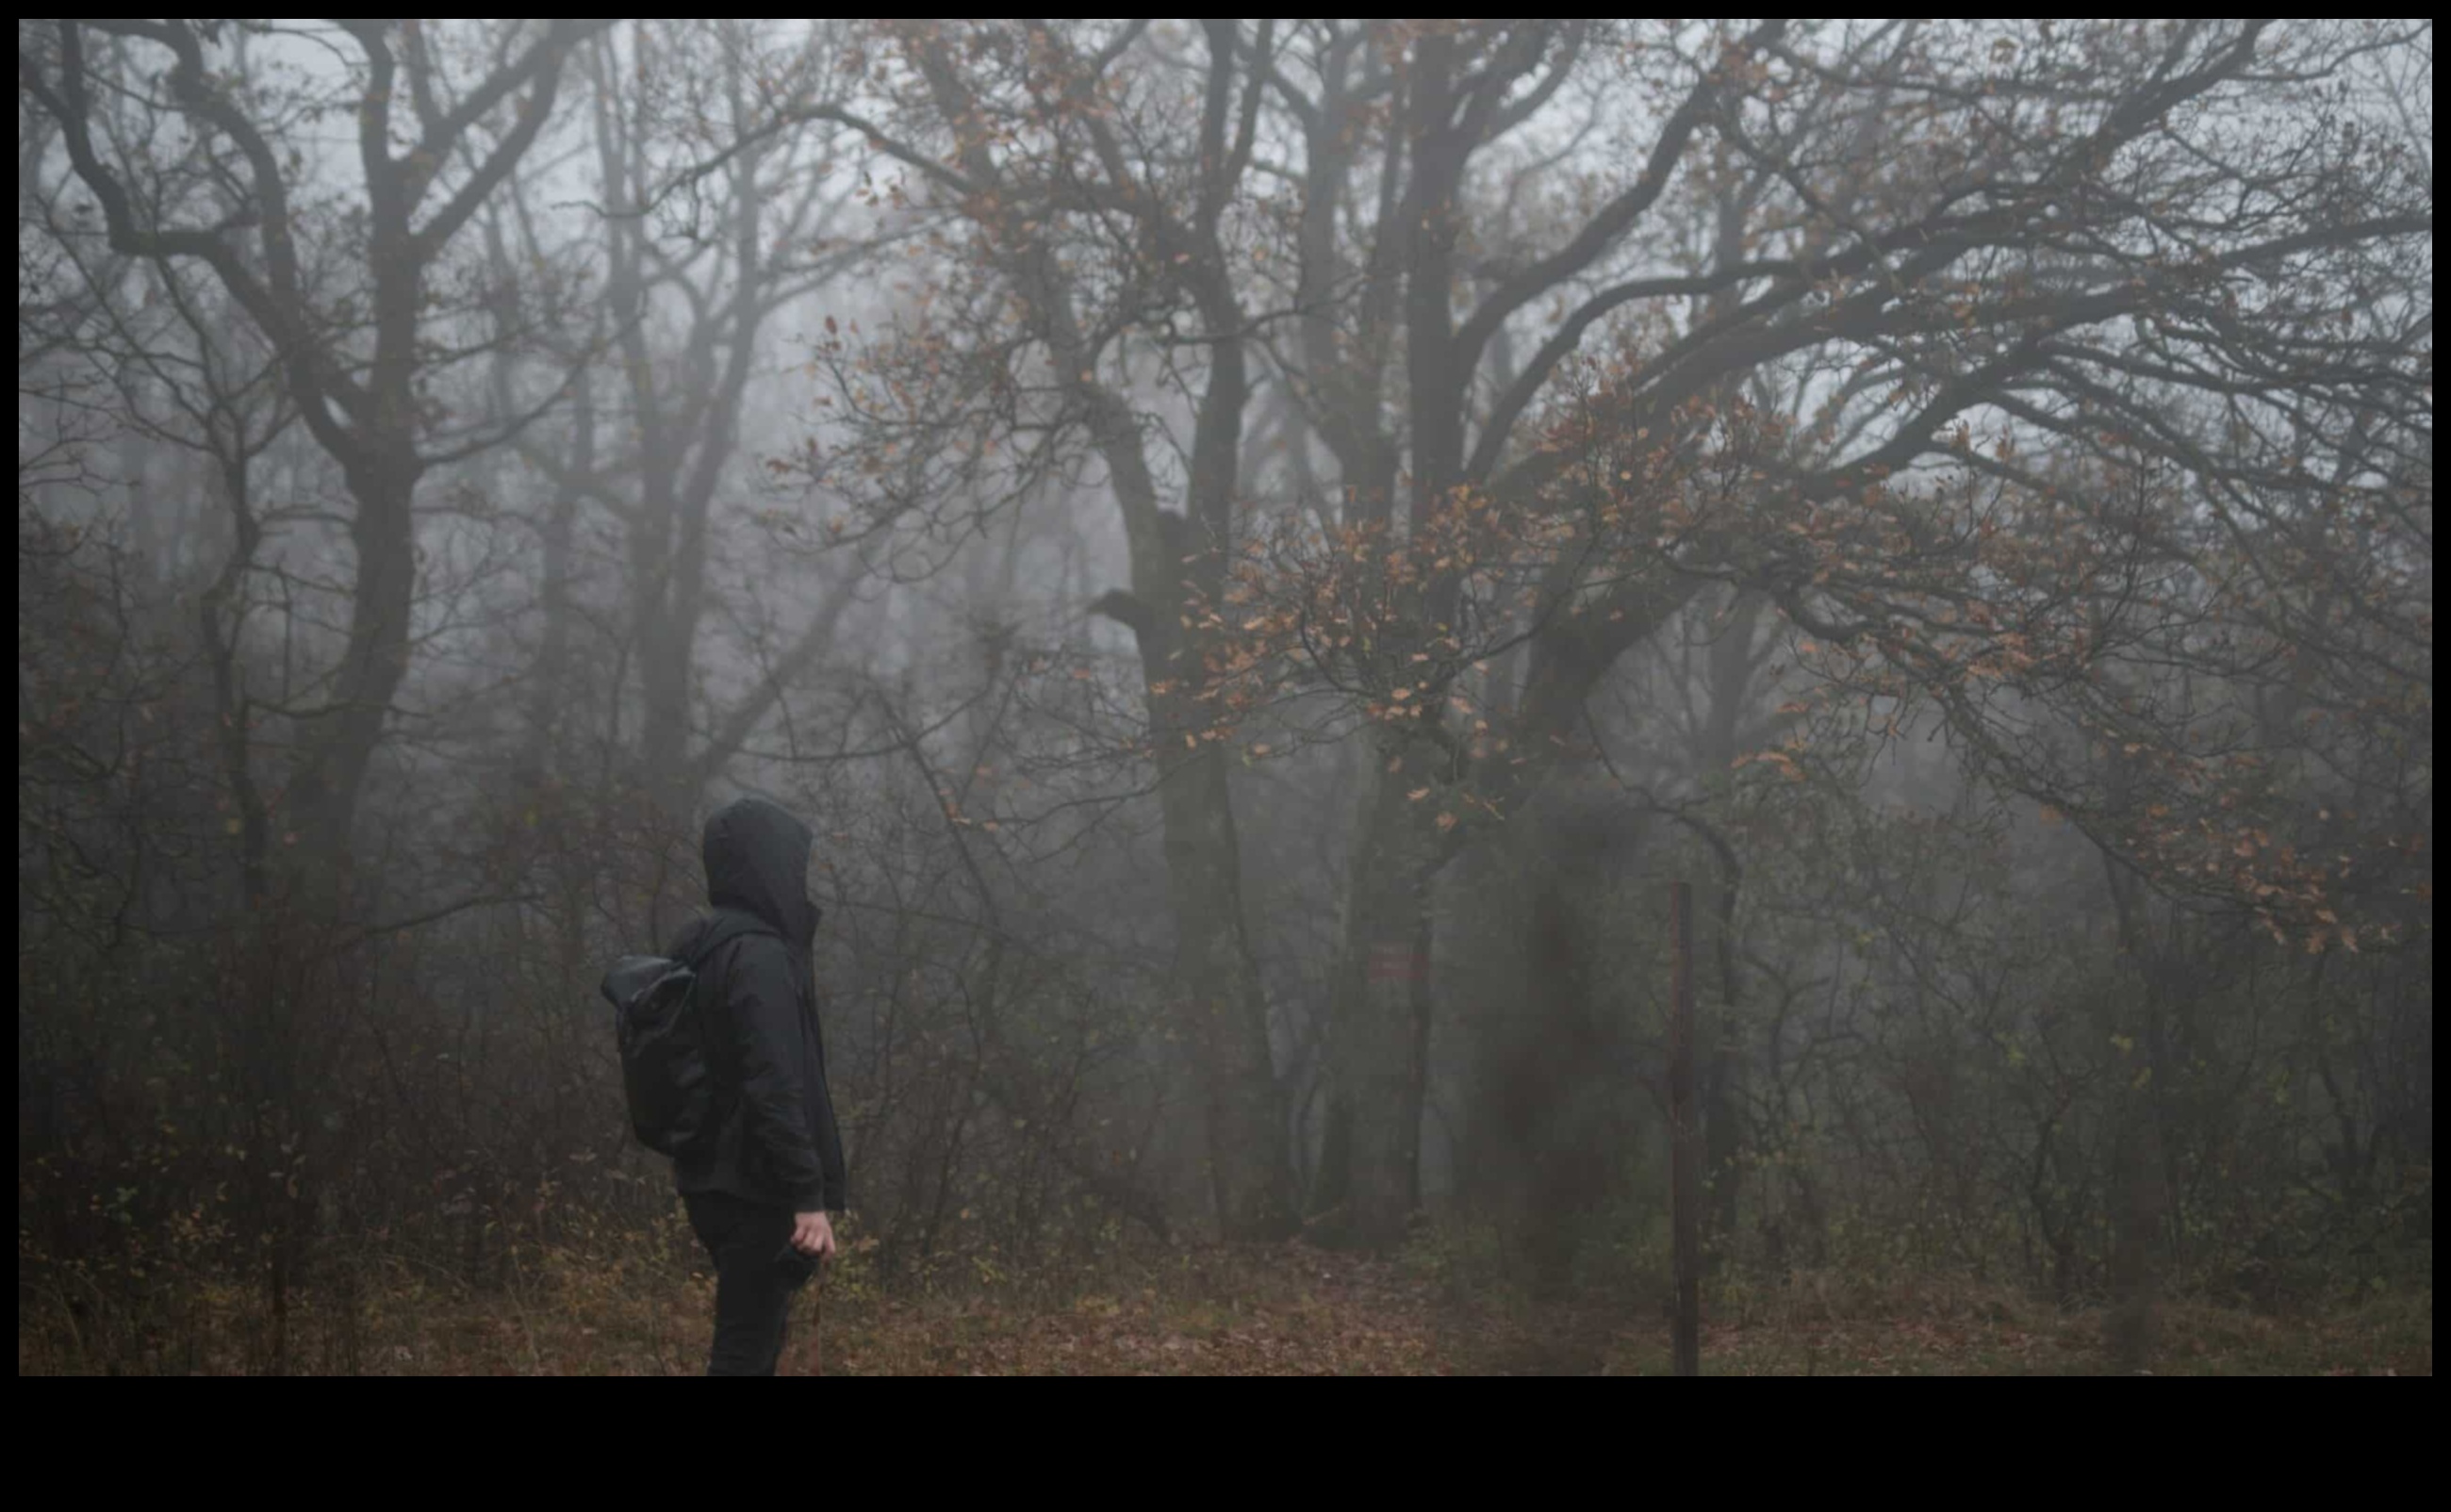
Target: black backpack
pixel 664 1071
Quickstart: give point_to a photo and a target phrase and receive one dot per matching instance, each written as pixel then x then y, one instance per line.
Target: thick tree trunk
pixel 333 762
pixel 1225 1011
pixel 1376 1040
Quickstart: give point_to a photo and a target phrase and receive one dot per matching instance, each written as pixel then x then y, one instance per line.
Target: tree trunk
pixel 1732 663
pixel 2136 1229
pixel 1226 1010
pixel 1376 1040
pixel 333 764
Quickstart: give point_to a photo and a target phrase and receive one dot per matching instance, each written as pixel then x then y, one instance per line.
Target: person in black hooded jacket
pixel 760 1190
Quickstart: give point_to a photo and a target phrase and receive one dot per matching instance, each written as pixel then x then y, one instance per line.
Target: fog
pixel 1263 550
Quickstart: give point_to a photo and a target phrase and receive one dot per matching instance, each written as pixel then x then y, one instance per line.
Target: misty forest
pixel 1392 633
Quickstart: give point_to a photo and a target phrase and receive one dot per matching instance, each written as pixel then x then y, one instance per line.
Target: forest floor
pixel 1282 1310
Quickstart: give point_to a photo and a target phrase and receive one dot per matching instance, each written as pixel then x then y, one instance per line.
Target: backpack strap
pixel 725 926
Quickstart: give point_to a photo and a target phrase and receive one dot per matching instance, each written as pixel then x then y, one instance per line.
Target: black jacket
pixel 775 1140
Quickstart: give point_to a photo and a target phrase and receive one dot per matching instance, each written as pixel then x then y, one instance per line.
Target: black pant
pixel 755 1277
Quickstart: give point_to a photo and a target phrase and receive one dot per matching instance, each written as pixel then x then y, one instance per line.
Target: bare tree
pixel 341 293
pixel 1011 128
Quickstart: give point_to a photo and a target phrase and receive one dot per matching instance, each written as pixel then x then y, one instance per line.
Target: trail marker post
pixel 1684 1135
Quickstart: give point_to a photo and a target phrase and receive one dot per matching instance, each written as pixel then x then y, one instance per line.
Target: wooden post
pixel 1684 1135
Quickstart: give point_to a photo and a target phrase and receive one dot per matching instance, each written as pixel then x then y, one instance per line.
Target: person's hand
pixel 814 1234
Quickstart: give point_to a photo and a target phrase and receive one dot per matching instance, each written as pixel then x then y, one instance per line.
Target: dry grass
pixel 1282 1310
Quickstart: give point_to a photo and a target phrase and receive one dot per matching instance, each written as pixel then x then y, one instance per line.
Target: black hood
pixel 758 861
